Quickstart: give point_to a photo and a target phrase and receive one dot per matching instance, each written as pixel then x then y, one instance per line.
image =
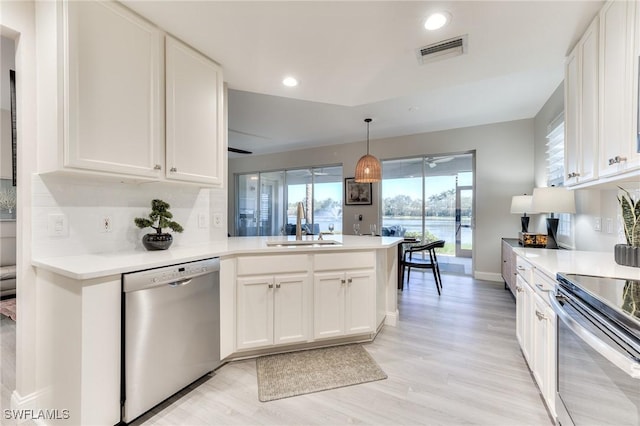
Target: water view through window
pixel 430 198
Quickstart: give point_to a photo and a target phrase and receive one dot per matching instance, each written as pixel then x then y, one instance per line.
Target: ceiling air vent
pixel 442 50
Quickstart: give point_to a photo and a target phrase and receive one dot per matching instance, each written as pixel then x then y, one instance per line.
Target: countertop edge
pixel 93 266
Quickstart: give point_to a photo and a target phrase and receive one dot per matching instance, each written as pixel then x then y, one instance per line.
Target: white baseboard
pixel 391 318
pixel 27 405
pixel 488 276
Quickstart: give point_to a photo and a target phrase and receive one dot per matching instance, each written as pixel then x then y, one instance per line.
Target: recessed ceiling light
pixel 290 82
pixel 437 20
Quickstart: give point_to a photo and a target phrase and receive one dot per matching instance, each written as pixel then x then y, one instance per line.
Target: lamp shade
pixel 368 167
pixel 553 199
pixel 522 204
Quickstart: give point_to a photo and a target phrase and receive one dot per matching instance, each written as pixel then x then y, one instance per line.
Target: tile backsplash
pixel 85 203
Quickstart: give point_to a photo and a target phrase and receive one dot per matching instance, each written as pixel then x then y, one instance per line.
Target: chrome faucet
pixel 299 215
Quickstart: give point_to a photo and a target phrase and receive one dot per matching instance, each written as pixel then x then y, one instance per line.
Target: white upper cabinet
pixel 194 116
pixel 112 90
pixel 618 99
pixel 581 109
pixel 104 68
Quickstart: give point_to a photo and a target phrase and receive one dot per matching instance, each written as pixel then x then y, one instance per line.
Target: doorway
pixel 432 198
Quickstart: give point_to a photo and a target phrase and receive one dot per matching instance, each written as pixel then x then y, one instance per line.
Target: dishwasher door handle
pixel 180 283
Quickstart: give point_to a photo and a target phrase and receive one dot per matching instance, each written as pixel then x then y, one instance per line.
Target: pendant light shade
pixel 368 168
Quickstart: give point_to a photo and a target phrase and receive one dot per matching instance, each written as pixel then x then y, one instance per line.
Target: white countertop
pixel 577 262
pixel 88 266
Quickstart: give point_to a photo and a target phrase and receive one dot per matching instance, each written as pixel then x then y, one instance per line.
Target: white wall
pixel 590 203
pixel 504 168
pixel 85 203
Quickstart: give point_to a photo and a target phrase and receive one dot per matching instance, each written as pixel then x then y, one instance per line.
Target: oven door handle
pixel 626 364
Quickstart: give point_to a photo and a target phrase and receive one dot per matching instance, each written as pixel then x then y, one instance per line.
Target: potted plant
pixel 629 254
pixel 159 218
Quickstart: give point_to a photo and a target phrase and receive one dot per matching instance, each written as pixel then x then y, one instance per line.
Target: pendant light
pixel 368 167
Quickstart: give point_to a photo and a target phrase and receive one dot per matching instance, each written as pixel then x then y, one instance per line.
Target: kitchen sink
pixel 302 243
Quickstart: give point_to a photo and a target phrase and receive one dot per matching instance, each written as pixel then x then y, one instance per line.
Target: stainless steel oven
pixel 598 351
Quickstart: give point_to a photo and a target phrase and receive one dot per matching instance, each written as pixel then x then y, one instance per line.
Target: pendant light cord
pixel 368 120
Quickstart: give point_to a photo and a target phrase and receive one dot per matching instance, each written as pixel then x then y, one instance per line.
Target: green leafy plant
pixel 630 217
pixel 159 218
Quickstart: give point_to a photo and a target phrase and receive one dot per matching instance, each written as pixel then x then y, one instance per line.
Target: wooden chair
pixel 408 261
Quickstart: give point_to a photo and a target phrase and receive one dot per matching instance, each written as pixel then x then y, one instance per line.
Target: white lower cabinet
pixel 343 303
pixel 536 331
pixel 272 310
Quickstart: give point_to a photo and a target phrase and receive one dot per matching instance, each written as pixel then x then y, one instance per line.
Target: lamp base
pixel 552 232
pixel 524 223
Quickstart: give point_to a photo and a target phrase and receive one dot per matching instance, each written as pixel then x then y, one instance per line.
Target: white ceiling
pixel 357 59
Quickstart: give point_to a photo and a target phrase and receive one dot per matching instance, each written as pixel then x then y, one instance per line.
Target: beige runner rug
pixel 314 370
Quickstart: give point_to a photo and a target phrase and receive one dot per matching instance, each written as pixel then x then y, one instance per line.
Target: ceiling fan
pixel 238 150
pixel 434 161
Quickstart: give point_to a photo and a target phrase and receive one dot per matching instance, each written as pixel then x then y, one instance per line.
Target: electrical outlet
pixel 597 224
pixel 217 220
pixel 57 225
pixel 105 224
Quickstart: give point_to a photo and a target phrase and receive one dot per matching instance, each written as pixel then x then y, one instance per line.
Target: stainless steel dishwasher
pixel 171 332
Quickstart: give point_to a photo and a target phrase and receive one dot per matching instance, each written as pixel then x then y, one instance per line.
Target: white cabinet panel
pixel 194 116
pixel 329 304
pixel 344 303
pixel 291 307
pixel 618 143
pixel 581 109
pixel 272 310
pixel 255 312
pixel 112 90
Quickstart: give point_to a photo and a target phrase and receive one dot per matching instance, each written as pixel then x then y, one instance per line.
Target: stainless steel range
pixel 598 358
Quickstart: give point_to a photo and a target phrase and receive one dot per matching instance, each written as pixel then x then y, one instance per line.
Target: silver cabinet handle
pixel 157 167
pixel 520 268
pixel 173 169
pixel 540 315
pixel 541 287
pixel 616 160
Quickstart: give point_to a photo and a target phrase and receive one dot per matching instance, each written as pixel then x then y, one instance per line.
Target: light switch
pixel 57 225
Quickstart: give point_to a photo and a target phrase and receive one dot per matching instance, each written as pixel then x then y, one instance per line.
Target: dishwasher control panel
pixel 173 275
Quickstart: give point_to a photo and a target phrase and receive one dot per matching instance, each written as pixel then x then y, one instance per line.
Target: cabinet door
pixel 359 302
pixel 616 59
pixel 524 298
pixel 572 117
pixel 195 140
pixel 255 312
pixel 291 309
pixel 112 90
pixel 589 125
pixel 328 304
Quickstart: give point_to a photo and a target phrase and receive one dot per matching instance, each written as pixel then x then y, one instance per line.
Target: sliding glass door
pixel 266 203
pixel 430 198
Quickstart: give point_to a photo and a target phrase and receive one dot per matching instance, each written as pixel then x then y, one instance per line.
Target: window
pixel 271 210
pixel 555 176
pixel 430 198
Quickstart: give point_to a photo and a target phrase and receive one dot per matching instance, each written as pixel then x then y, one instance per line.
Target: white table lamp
pixel 552 200
pixel 521 204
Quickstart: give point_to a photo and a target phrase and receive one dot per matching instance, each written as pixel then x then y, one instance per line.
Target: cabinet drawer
pixel 543 285
pixel 524 269
pixel 264 265
pixel 342 261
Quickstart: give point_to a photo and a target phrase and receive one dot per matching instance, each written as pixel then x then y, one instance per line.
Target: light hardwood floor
pixel 452 360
